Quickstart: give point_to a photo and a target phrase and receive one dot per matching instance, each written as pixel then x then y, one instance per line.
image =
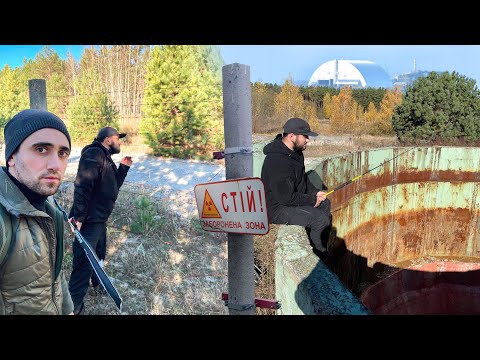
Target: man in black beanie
pixel 96 189
pixel 37 147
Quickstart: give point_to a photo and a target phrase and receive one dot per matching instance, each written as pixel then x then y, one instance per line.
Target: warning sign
pixel 209 208
pixel 235 206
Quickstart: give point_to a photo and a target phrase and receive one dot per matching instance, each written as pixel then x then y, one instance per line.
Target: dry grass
pixel 327 145
pixel 172 267
pixel 265 267
pixel 345 144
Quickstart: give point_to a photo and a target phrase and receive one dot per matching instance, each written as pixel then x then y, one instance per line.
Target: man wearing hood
pixel 291 198
pixel 96 189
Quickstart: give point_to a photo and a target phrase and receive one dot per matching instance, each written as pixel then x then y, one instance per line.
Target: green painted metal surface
pixel 422 204
pixel 258 157
pixel 426 191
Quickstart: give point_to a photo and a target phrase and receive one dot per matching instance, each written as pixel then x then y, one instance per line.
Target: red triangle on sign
pixel 209 208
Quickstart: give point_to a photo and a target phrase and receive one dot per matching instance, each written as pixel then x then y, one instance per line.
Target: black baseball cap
pixel 108 131
pixel 298 126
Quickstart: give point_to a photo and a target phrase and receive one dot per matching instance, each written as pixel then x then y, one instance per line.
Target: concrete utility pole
pixel 237 108
pixel 37 89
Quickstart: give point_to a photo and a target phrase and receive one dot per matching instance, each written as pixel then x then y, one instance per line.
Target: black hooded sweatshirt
pixel 96 185
pixel 284 178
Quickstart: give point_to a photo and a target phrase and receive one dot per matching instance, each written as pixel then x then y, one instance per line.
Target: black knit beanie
pixel 25 123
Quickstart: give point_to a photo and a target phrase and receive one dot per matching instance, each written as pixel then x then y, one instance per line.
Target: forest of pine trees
pixel 171 97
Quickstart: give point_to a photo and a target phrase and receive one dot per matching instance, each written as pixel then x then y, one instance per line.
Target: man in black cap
pixel 291 197
pixel 37 147
pixel 96 189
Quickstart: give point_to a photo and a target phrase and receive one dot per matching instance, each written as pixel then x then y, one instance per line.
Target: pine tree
pixel 13 94
pixel 91 109
pixel 439 107
pixel 183 102
pixel 49 66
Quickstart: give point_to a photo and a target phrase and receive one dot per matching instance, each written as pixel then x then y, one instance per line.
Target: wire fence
pixel 132 110
pixel 137 91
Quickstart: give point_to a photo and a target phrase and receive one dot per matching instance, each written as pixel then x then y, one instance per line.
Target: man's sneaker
pixel 79 310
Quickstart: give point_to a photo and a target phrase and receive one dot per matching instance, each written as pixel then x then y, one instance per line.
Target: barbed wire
pixel 137 117
pixel 149 104
pixel 139 105
pixel 136 91
pixel 151 191
pixel 218 172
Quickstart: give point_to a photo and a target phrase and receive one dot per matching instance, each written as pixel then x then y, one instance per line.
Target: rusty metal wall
pixel 423 203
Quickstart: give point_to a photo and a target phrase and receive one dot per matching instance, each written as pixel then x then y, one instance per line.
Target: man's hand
pixel 320 197
pixel 75 222
pixel 127 160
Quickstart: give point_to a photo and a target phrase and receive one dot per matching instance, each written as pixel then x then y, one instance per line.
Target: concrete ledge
pixel 304 284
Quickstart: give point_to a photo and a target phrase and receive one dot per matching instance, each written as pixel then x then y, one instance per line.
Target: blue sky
pixel 274 63
pixel 13 55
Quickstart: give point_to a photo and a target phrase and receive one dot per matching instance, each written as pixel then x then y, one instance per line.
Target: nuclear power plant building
pixel 357 74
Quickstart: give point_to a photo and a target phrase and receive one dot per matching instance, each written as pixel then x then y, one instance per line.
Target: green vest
pixel 31 255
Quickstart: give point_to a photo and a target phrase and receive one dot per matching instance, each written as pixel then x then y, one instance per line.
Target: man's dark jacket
pixel 96 185
pixel 284 178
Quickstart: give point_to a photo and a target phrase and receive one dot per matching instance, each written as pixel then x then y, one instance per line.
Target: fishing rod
pixel 358 177
pixel 94 261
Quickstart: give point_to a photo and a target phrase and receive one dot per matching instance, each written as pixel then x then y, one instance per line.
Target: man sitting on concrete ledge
pixel 291 197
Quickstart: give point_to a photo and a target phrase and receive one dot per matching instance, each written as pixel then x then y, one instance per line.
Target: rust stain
pixel 402 222
pixel 448 229
pixel 370 183
pixel 454 283
pixel 388 244
pixel 411 240
pixel 449 232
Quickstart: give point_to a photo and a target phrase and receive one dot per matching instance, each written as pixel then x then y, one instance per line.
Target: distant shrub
pixel 440 108
pixel 144 219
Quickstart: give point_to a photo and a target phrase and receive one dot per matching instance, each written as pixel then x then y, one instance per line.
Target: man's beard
pixel 48 190
pixel 297 147
pixel 41 189
pixel 114 149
